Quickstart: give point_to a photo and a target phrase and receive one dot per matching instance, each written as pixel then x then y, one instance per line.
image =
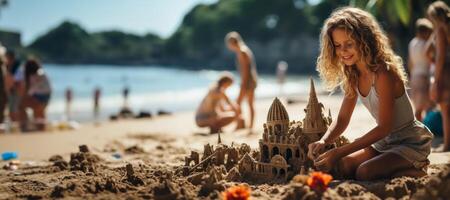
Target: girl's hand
pixel 327 160
pixel 315 148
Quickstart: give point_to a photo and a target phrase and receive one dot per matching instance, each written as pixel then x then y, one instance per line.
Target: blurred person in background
pixel 247 69
pixel 14 85
pixel 68 111
pixel 439 14
pixel 419 68
pixel 3 96
pixel 97 93
pixel 216 110
pixel 38 92
pixel 282 67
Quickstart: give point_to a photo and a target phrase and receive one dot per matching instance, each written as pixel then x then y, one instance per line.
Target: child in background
pixel 212 111
pixel 38 92
pixel 419 68
pixel 356 53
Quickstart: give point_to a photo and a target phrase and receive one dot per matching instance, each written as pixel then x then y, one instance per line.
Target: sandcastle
pixel 282 150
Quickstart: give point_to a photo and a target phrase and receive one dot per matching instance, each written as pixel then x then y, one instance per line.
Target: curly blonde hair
pixel 371 42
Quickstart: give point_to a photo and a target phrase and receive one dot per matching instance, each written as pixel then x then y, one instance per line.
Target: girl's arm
pixel 386 96
pixel 336 128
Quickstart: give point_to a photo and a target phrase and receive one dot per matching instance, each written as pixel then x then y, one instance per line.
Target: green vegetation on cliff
pixel 70 43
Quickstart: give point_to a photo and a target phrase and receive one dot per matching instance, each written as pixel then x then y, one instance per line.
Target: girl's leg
pixel 225 119
pixel 385 165
pixel 445 111
pixel 348 164
pixel 251 99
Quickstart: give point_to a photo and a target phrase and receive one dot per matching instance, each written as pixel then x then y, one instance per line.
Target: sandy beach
pixel 156 147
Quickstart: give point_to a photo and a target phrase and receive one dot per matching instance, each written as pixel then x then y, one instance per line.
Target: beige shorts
pixel 412 142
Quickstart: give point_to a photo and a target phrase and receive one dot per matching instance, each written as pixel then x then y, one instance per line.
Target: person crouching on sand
pixel 356 52
pixel 247 70
pixel 212 113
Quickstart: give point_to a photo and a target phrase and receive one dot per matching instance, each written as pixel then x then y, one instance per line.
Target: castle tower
pixel 314 121
pixel 277 118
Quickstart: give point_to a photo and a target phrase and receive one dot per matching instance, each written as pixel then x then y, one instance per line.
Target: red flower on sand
pixel 319 181
pixel 238 192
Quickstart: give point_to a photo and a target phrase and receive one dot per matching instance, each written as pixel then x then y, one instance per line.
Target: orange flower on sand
pixel 238 192
pixel 319 181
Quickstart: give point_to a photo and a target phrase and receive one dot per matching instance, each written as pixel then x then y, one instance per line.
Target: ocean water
pixel 152 88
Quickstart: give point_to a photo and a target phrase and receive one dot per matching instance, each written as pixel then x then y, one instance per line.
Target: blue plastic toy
pixel 9 155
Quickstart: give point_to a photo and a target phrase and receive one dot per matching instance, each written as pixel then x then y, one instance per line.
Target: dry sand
pixel 156 147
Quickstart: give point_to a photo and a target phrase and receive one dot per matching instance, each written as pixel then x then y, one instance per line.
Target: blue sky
pixel 35 17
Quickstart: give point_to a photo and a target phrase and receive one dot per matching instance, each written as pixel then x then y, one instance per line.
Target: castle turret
pixel 277 118
pixel 314 121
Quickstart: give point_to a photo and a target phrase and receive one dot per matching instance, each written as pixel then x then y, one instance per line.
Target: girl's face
pixel 345 47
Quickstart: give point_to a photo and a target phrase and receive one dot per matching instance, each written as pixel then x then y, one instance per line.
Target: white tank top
pixel 403 111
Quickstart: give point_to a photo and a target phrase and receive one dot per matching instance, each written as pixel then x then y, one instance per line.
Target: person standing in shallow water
pixel 247 69
pixel 69 97
pixel 97 93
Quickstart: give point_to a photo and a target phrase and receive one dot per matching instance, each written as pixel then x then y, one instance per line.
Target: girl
pixel 212 113
pixel 356 53
pixel 247 69
pixel 38 92
pixel 439 14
